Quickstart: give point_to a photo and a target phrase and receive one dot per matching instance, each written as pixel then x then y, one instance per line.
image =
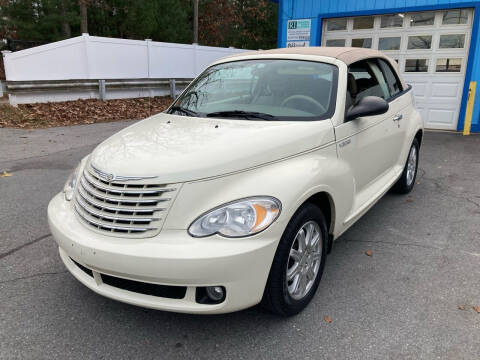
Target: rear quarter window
pixel 393 82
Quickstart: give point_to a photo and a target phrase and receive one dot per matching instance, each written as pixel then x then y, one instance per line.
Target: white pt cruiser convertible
pixel 234 195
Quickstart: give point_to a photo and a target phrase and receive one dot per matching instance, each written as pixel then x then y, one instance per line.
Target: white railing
pixel 92 57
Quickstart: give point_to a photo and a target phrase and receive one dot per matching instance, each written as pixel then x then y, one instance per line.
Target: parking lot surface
pixel 402 302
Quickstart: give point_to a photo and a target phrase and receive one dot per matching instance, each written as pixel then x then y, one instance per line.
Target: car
pixel 235 194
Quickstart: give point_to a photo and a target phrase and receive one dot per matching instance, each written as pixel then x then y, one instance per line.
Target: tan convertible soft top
pixel 348 55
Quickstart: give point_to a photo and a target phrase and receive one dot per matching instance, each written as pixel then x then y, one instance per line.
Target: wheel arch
pixel 325 202
pixel 419 137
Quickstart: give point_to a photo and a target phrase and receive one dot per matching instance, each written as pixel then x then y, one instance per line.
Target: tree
pixel 82 4
pixel 258 24
pixel 67 30
pixel 217 22
pixel 240 23
pixel 38 20
pixel 160 20
pixel 247 24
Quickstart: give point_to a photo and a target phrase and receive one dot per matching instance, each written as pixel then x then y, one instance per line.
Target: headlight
pixel 238 218
pixel 69 187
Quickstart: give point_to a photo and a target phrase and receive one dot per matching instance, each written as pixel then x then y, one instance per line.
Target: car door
pixel 399 104
pixel 365 143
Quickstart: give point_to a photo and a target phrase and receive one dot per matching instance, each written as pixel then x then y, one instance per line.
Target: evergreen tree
pixel 248 24
pixel 40 20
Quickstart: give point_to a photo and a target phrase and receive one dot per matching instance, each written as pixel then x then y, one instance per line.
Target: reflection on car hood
pixel 179 148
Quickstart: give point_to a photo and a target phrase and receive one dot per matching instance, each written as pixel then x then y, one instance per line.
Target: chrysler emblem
pixel 103 174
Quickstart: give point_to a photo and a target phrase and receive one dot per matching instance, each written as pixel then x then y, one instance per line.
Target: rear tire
pixel 406 182
pixel 298 263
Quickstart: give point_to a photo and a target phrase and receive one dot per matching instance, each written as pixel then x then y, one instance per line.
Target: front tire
pixel 298 263
pixel 406 181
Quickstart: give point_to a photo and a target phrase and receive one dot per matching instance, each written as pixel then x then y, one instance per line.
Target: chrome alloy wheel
pixel 411 165
pixel 304 260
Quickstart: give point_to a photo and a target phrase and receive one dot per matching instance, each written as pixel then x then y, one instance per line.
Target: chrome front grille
pixel 122 207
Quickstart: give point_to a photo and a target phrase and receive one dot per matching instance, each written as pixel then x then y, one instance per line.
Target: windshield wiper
pixel 240 113
pixel 183 110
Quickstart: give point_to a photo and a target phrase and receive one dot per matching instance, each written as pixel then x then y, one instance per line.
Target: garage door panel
pixel 443 117
pixel 445 90
pixel 421 87
pixel 435 64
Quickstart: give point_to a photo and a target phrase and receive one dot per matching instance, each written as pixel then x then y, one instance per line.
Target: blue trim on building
pixel 470 66
pixel 320 29
pixel 280 25
pixel 473 61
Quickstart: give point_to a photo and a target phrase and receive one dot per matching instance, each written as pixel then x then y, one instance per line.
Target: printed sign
pixel 298 32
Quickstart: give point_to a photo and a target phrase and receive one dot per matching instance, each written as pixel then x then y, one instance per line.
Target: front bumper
pixel 172 258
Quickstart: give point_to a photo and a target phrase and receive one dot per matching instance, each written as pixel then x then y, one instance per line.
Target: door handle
pixel 398 117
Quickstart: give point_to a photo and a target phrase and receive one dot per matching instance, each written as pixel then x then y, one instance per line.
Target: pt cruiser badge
pixel 235 194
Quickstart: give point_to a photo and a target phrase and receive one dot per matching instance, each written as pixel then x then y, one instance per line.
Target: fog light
pixel 215 293
pixel 210 295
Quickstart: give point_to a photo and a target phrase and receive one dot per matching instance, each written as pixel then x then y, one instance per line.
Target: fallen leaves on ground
pixel 461 307
pixel 328 319
pixel 476 308
pixel 368 252
pixel 76 112
pixel 5 174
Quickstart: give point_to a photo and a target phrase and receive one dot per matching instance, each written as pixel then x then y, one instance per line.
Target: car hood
pixel 178 148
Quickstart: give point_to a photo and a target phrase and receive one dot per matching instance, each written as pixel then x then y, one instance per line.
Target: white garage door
pixel 430 47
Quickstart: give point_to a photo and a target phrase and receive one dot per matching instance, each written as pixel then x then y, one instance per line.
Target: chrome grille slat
pixel 119 205
pixel 146 191
pixel 120 199
pixel 116 217
pixel 142 209
pixel 110 226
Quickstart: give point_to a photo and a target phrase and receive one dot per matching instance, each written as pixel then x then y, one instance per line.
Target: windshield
pixel 262 89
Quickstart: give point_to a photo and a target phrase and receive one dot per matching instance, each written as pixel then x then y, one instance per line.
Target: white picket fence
pixel 98 58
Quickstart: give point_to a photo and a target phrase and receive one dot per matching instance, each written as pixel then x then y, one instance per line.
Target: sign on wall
pixel 298 32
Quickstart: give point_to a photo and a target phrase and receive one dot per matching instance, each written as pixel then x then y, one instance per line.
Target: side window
pixel 366 79
pixel 394 85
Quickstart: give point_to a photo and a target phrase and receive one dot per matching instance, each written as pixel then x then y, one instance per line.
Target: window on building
pixel 335 42
pixel 362 43
pixel 449 65
pixel 337 24
pixel 416 65
pixel 392 21
pixel 422 18
pixel 419 42
pixel 455 17
pixel 363 22
pixel 389 43
pixel 452 41
pixel 394 85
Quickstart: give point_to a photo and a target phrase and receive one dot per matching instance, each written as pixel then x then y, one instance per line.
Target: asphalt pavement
pixel 404 301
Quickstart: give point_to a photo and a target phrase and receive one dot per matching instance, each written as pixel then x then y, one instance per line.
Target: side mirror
pixel 368 106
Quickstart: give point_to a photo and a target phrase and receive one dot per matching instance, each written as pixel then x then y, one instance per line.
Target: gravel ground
pixel 402 302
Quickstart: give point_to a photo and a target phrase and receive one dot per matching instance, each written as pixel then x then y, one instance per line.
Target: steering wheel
pixel 305 98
